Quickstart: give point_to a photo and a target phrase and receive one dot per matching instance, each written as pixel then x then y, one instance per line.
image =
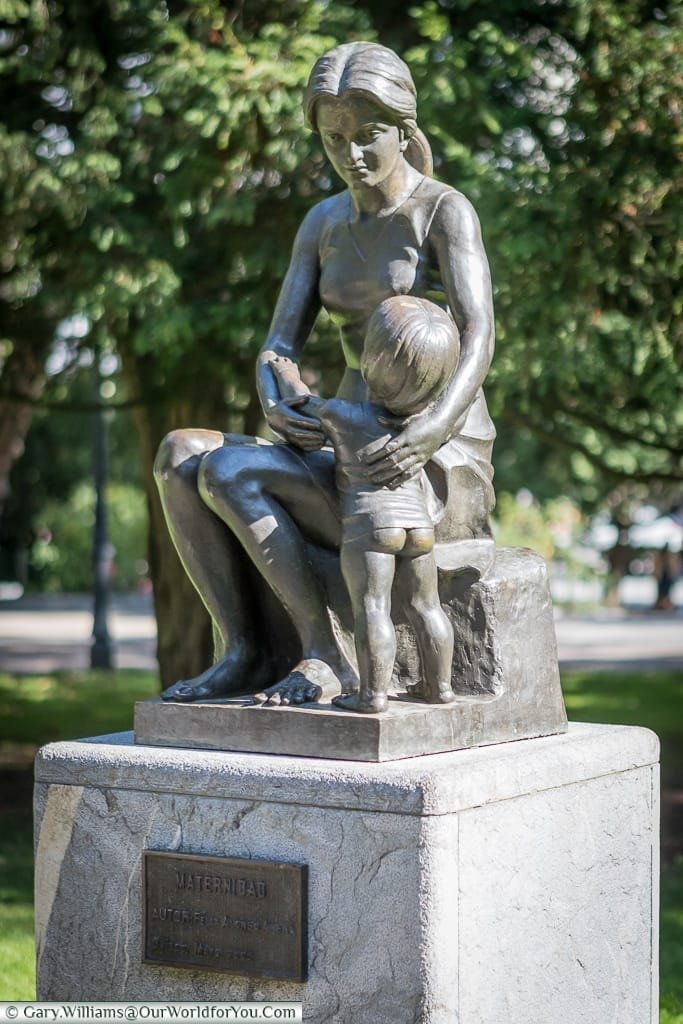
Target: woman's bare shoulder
pixel 454 215
pixel 330 210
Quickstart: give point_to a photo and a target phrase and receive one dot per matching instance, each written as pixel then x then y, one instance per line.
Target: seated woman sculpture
pixel 394 230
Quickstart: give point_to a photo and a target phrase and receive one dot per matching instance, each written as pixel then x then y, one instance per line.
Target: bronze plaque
pixel 224 914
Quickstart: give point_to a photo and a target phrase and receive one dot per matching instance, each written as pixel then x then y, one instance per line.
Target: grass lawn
pixel 38 709
pixel 35 710
pixel 17 978
pixel 67 705
pixel 652 699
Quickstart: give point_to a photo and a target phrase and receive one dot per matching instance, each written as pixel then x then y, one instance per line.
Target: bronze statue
pixel 394 231
pixel 411 351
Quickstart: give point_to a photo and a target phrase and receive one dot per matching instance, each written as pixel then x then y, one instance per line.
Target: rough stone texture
pixel 506 884
pixel 503 626
pixel 504 672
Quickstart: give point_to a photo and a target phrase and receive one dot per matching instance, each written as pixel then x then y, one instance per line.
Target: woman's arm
pixel 295 312
pixel 456 239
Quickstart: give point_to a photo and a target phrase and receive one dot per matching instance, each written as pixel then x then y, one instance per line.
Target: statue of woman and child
pixel 396 464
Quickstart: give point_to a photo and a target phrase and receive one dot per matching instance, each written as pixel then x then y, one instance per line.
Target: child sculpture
pixel 410 352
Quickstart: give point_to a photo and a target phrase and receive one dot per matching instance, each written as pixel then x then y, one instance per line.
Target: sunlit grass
pixel 66 705
pixel 35 710
pixel 671 943
pixel 650 699
pixel 17 977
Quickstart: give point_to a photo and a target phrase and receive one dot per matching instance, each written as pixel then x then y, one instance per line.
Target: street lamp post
pixel 100 651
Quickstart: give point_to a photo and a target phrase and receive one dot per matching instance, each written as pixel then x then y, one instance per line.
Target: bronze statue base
pixel 505 677
pixel 407 729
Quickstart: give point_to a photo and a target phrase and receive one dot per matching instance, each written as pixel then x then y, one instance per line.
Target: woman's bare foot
pixel 232 673
pixel 367 705
pixel 311 680
pixel 442 694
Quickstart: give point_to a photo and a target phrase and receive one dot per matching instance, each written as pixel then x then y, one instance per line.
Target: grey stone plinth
pixel 512 883
pixel 505 676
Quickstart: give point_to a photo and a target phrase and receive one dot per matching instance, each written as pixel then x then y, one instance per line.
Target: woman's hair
pixel 381 76
pixel 411 351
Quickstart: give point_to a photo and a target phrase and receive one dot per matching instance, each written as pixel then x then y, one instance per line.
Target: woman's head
pixel 381 77
pixel 411 350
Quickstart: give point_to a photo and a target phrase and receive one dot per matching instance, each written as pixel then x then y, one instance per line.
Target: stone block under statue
pixel 511 883
pixel 505 677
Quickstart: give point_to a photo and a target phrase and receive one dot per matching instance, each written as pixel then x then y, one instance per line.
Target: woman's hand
pixel 303 431
pixel 420 436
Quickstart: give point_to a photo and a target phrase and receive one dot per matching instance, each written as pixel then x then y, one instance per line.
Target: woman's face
pixel 361 145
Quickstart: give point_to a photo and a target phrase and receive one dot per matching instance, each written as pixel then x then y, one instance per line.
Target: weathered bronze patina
pixel 279 538
pixel 225 914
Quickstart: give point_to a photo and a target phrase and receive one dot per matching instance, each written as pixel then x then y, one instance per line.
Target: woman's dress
pixel 364 261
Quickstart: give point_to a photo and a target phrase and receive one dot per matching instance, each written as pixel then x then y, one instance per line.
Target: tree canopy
pixel 154 167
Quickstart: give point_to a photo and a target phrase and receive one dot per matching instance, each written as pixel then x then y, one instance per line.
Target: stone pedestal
pixel 511 884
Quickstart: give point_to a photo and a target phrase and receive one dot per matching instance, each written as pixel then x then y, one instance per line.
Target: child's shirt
pixel 354 430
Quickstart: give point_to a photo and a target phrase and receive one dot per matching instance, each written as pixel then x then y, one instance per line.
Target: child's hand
pixel 288 377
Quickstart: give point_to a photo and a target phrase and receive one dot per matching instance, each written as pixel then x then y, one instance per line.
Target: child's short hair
pixel 411 350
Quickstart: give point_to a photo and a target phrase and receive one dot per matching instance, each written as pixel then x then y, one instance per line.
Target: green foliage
pixel 549 528
pixel 58 456
pixel 155 167
pixel 62 554
pixel 173 149
pixel 563 125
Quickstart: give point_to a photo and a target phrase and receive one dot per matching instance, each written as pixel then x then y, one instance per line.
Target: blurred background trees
pixel 153 170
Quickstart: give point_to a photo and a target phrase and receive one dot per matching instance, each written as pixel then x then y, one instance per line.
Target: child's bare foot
pixel 364 703
pixel 442 694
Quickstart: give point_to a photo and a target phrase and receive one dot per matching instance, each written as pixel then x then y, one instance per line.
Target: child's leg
pixel 418 580
pixel 368 576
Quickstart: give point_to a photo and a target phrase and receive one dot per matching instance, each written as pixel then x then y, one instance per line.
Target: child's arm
pixel 326 411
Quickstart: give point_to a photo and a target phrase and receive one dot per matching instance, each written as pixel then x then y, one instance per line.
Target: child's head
pixel 411 350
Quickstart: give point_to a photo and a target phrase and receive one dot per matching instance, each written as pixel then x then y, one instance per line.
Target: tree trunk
pixel 185 641
pixel 22 375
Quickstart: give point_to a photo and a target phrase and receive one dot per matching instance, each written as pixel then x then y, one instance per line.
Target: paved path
pixel 621 640
pixel 49 632
pixel 45 633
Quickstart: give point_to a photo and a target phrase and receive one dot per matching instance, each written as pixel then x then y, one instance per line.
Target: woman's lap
pixel 301 482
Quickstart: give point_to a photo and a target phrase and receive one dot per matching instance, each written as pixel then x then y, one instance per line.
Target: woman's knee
pixel 180 453
pixel 177 457
pixel 228 475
